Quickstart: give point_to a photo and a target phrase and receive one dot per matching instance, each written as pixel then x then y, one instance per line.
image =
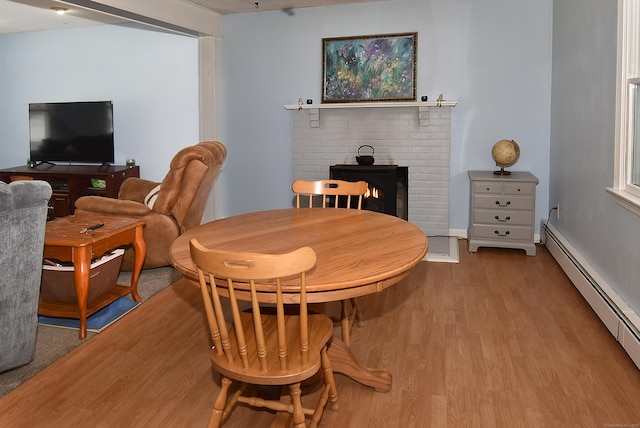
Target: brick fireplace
pixel 416 136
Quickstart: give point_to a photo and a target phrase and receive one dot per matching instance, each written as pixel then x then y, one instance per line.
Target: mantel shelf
pixel 423 108
pixel 444 103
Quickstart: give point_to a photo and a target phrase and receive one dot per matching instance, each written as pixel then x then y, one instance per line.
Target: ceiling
pixel 17 16
pixel 36 15
pixel 226 7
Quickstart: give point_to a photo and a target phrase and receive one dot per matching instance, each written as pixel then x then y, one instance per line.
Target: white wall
pixel 492 56
pixel 151 77
pixel 583 144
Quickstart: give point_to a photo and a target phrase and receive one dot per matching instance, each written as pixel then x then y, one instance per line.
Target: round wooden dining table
pixel 358 252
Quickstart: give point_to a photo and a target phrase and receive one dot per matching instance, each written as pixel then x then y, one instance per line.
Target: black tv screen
pixel 80 132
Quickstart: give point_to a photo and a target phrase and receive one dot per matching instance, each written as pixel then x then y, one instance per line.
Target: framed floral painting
pixel 369 68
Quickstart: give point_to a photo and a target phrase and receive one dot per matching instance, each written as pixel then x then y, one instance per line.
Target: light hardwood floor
pixel 499 340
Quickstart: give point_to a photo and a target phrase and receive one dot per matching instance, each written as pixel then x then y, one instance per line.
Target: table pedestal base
pixel 344 362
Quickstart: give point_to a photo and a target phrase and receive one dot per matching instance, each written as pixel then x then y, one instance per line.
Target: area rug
pixel 53 343
pixel 443 249
pixel 99 320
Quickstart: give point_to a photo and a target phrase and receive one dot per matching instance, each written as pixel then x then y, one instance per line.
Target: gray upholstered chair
pixel 23 215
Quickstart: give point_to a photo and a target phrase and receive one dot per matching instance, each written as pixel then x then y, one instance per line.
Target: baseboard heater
pixel 616 315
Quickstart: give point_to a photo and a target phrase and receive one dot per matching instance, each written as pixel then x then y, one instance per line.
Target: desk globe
pixel 505 153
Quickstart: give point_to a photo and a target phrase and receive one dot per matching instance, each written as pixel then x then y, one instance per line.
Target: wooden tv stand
pixel 70 182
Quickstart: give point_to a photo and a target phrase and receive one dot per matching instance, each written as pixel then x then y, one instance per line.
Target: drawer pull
pixel 506 219
pixel 503 205
pixel 497 232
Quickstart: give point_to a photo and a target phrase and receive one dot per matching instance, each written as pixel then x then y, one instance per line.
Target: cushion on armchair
pixel 122 207
pixel 151 197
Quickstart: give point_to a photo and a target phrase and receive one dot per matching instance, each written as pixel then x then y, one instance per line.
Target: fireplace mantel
pixel 423 108
pixel 444 103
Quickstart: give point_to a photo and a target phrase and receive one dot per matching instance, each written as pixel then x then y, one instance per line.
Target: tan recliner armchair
pixel 171 207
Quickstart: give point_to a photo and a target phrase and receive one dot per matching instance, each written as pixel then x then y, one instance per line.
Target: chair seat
pixel 320 332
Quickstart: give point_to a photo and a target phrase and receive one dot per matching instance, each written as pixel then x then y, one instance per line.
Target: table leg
pixel 345 323
pixel 140 249
pixel 81 273
pixel 343 361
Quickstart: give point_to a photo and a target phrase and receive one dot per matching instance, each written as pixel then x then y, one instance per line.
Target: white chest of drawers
pixel 502 211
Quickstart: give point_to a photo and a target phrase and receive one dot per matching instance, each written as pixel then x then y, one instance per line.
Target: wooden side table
pixel 63 241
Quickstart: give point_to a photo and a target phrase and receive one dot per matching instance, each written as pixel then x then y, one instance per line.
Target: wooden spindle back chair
pixel 337 189
pixel 262 347
pixel 324 188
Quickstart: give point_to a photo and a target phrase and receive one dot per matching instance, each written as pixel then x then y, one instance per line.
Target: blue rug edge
pixel 99 320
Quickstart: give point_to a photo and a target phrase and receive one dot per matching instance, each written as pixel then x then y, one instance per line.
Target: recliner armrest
pixel 135 189
pixel 121 207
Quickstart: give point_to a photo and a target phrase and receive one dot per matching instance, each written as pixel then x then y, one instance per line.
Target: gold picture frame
pixel 369 68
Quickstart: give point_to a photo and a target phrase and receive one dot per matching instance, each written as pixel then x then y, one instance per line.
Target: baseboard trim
pixel 615 314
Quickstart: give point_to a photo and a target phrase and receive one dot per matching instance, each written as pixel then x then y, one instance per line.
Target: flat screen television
pixel 79 132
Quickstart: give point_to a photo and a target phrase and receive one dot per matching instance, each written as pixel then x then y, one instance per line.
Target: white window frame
pixel 628 75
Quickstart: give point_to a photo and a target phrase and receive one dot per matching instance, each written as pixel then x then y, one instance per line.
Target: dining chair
pixel 264 346
pixel 337 190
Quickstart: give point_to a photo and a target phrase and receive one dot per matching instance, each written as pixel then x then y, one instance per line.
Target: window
pixel 635 135
pixel 626 187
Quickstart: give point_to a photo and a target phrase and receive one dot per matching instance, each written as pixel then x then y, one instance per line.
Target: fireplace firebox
pixel 388 186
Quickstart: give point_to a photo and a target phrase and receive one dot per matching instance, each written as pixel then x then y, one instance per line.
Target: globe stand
pixel 501 171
